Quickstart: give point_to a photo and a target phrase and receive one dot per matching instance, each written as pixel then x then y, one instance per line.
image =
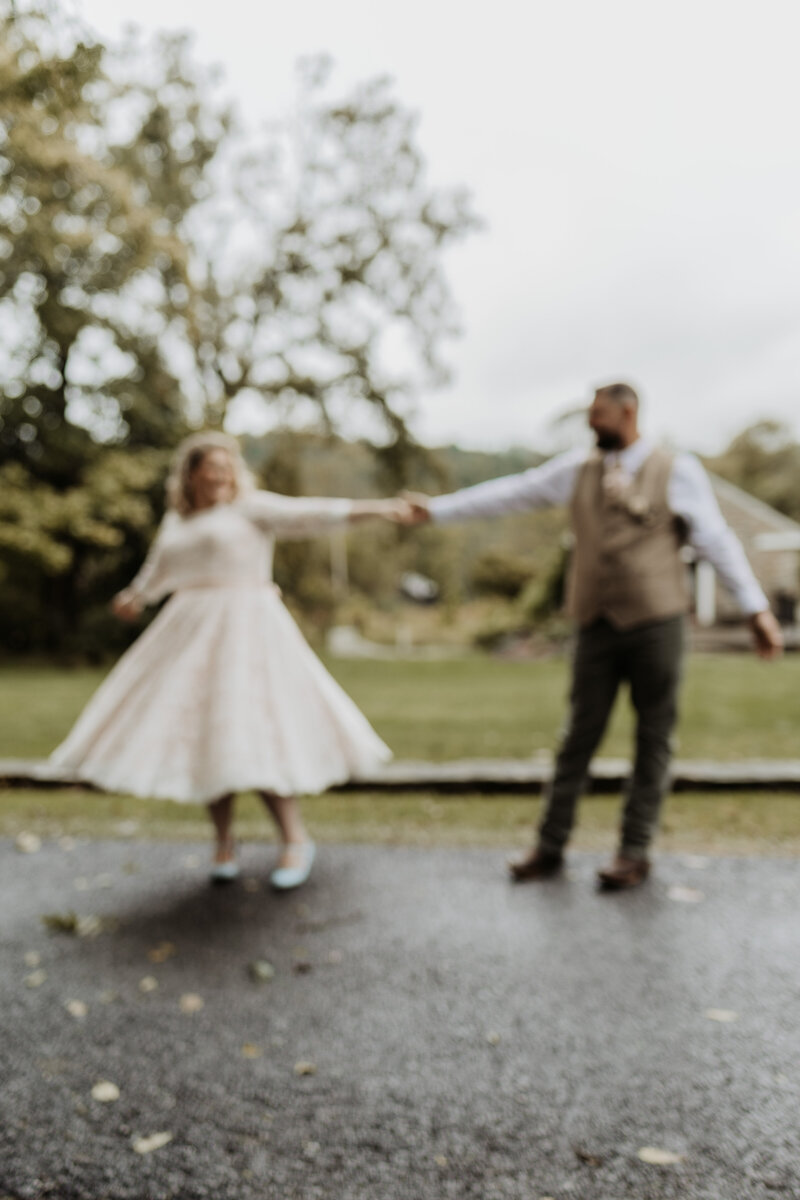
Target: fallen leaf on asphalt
pixel 250 1050
pixel 261 970
pixel 493 1038
pixel 721 1014
pixel 161 952
pixel 36 978
pixel 658 1157
pixel 76 1009
pixel 107 996
pixel 440 1160
pixel 148 984
pixel 686 895
pixel 146 1145
pixel 90 926
pixel 305 1068
pixel 70 922
pixel 311 1149
pixel 32 959
pixel 105 1092
pixel 28 843
pixel 592 1160
pixel 190 1002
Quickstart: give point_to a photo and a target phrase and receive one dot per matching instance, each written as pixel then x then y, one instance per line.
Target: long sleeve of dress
pixel 294 516
pixel 152 583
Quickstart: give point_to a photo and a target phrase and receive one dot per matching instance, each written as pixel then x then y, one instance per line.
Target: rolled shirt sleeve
pixel 545 486
pixel 691 497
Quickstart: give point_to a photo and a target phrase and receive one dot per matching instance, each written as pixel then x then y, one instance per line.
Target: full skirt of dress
pixel 221 693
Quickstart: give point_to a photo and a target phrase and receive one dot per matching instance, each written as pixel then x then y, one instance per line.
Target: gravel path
pixel 429 1031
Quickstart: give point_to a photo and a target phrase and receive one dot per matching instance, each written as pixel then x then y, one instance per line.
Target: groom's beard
pixel 608 440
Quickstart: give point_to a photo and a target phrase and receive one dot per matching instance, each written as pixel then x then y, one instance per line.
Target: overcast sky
pixel 638 167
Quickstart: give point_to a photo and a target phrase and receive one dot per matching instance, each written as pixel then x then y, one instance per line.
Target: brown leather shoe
pixel 537 864
pixel 624 873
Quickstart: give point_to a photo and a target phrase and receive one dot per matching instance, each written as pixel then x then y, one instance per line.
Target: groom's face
pixel 608 420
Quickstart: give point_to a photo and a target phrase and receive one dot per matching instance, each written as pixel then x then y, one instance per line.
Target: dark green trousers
pixel 649 658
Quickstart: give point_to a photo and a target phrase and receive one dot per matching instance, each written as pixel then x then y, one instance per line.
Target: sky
pixel 638 170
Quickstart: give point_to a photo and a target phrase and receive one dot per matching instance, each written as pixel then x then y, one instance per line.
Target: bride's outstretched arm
pixel 150 583
pixel 308 516
pixel 397 510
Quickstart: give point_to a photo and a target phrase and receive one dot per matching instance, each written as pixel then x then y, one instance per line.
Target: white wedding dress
pixel 222 693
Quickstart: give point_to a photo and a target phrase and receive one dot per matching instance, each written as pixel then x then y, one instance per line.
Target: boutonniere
pixel 616 484
pixel 618 491
pixel 639 508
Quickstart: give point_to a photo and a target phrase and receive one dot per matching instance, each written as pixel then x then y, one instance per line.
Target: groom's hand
pixel 418 510
pixel 767 634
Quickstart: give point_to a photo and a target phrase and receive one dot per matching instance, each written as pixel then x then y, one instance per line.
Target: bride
pixel 221 693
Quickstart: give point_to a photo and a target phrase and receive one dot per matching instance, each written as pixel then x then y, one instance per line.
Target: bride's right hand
pixel 125 607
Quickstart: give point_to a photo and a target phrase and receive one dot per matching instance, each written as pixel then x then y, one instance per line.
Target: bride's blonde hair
pixel 188 456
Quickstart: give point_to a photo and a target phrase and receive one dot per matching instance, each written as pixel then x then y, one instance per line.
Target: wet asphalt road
pixel 468 1038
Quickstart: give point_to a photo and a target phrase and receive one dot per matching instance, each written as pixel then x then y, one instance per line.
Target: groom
pixel 632 507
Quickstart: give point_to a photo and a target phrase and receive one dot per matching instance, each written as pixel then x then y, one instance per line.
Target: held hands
pixel 767 634
pixel 417 508
pixel 400 510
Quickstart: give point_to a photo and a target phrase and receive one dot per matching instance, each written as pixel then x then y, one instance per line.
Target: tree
pixel 158 268
pixel 97 179
pixel 330 301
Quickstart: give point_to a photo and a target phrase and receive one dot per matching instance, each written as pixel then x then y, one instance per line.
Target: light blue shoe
pixel 284 878
pixel 225 872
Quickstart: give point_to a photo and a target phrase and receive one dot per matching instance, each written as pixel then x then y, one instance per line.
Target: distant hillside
pixel 312 464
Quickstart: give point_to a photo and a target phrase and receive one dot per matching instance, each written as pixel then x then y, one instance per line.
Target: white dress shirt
pixel 689 495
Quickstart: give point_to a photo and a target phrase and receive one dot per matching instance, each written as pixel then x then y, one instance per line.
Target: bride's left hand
pixel 396 510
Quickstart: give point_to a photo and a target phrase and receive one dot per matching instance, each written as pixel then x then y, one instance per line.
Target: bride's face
pixel 212 481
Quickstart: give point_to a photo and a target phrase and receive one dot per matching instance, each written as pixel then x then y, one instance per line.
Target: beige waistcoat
pixel 626 564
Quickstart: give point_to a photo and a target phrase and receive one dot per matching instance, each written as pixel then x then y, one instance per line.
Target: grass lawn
pixel 733 707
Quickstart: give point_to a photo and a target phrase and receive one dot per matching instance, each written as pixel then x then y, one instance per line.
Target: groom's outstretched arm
pixel 546 486
pixel 692 498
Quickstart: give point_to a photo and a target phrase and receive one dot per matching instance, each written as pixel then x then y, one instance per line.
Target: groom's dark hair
pixel 623 393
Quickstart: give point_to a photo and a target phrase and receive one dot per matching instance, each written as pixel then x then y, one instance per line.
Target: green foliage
pixel 500 573
pixel 88 257
pixel 764 459
pixel 66 552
